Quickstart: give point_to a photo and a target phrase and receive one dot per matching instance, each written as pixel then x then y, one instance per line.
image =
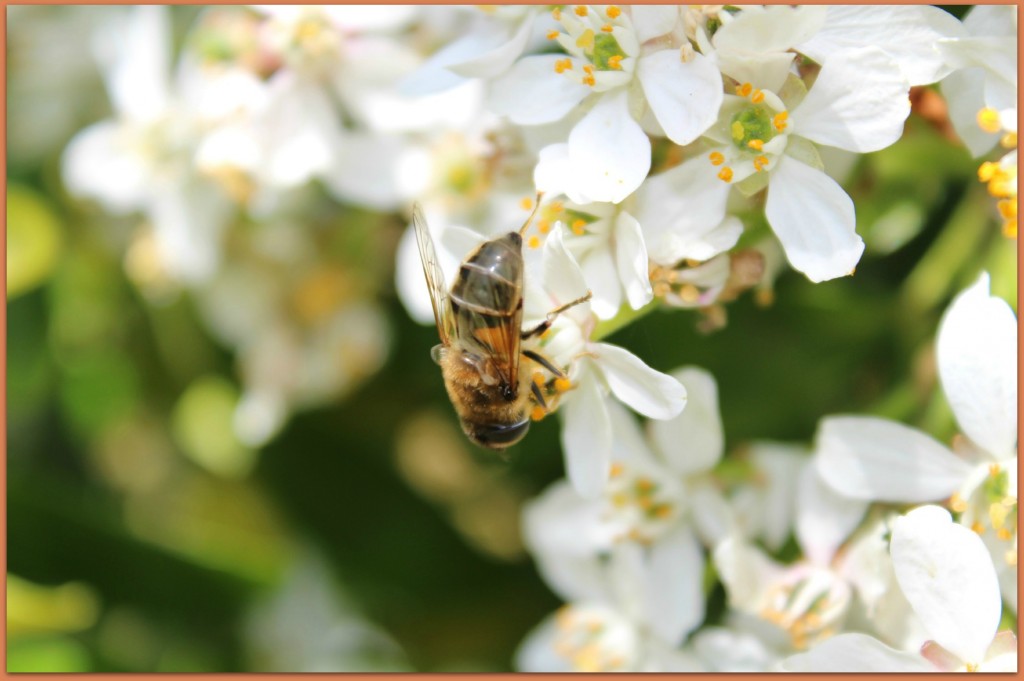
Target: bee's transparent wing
pixel 435 277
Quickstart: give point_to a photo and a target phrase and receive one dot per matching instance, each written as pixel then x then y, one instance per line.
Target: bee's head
pixel 496 435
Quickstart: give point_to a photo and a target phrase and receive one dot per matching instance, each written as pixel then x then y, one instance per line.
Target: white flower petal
pixel 563 279
pixel 631 261
pixel 772 516
pixel 537 651
pixel 907 33
pixel 875 459
pixel 824 519
pixel 365 172
pixel 964 92
pixel 745 572
pixel 99 163
pixel 724 650
pixel 680 208
pixel 608 151
pixel 531 93
pixel 599 271
pixel 499 55
pixel 652 21
pixel 586 434
pixel 945 572
pixel 139 79
pixel 674 603
pixel 854 653
pixel 713 516
pixel 188 220
pixel 646 391
pixel 814 220
pixel 685 96
pixel 857 103
pixel 771 29
pixel 693 441
pixel 976 352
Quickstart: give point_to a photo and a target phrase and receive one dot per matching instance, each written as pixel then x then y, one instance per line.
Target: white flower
pixel 875 459
pixel 985 75
pixel 910 35
pixel 763 138
pixel 616 618
pixel 142 159
pixel 621 72
pixel 596 369
pixel 945 572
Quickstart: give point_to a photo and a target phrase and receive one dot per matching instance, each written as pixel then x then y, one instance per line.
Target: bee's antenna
pixel 534 213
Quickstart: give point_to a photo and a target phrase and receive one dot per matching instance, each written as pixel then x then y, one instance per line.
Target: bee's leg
pixel 543 361
pixel 538 395
pixel 532 215
pixel 551 316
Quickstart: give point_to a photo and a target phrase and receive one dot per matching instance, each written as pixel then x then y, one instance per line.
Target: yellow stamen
pixel 757 97
pixel 538 378
pixel 544 226
pixel 615 62
pixel 562 384
pixel 779 120
pixel 998 513
pixel 988 120
pixel 987 170
pixel 526 203
pixel 616 469
pixel 552 35
pixel 589 69
pixel 588 80
pixel 613 12
pixel 563 65
pixel 578 226
pixel 607 28
pixel 644 485
pixel 744 90
pixel 756 145
pixel 581 10
pixel 978 528
pixel 533 241
pixel 537 413
pixel 1004 534
pixel 957 503
pixel 1010 229
pixel 725 174
pixel 717 158
pixel 1008 141
pixel 556 14
pixel 737 131
pixel 760 163
pixel 1007 208
pixel 993 469
pixel 662 511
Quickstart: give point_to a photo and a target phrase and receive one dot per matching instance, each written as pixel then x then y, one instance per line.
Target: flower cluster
pixel 670 156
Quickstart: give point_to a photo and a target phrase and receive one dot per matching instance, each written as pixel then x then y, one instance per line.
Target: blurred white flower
pixel 947 576
pixel 875 459
pixel 142 160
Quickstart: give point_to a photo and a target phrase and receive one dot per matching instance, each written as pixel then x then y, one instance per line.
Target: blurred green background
pixel 143 536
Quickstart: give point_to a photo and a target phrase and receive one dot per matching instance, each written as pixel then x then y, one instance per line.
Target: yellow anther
pixel 756 145
pixel 644 485
pixel 526 203
pixel 993 469
pixel 562 384
pixel 586 39
pixel 1010 229
pixel 538 378
pixel 662 511
pixel 978 528
pixel 556 14
pixel 1004 534
pixel 616 469
pixel 757 97
pixel 737 131
pixel 744 90
pixel 716 158
pixel 578 226
pixel 779 120
pixel 619 500
pixel 563 65
pixel 987 170
pixel 553 34
pixel 544 226
pixel 589 69
pixel 957 503
pixel 607 28
pixel 1008 141
pixel 613 12
pixel 537 413
pixel 760 163
pixel 581 10
pixel 988 120
pixel 615 62
pixel 998 513
pixel 725 174
pixel 533 241
pixel 556 206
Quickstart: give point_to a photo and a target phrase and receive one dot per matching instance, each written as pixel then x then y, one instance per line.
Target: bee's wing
pixel 435 277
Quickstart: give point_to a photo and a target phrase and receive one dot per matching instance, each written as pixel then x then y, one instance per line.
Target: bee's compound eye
pixel 507 392
pixel 497 435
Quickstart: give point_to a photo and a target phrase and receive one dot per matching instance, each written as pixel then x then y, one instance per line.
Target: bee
pixel 480 324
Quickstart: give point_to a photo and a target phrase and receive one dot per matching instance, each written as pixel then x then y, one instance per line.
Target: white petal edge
pixel 638 386
pixel 693 441
pixel 531 93
pixel 674 596
pixel 631 261
pixel 586 435
pixel 684 96
pixel 874 459
pixel 945 572
pixel 854 653
pixel 824 519
pixel 814 220
pixel 609 152
pixel 976 352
